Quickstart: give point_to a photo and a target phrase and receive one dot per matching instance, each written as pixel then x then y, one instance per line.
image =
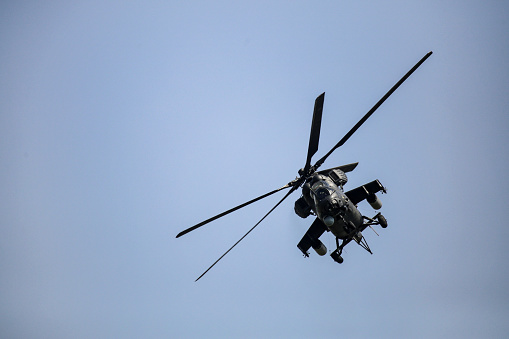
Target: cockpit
pixel 320 190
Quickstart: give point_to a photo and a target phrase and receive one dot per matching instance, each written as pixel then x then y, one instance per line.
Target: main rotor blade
pixel 231 210
pixel 314 136
pixel 245 235
pixel 371 111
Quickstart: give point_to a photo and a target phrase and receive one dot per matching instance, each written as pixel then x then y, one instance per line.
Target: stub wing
pixel 363 192
pixel 311 237
pixel 345 168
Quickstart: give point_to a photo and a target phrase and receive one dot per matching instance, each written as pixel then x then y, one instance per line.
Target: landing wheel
pixel 381 219
pixel 336 257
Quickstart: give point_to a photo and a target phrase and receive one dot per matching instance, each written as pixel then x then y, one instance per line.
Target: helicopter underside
pixel 343 226
pixel 348 225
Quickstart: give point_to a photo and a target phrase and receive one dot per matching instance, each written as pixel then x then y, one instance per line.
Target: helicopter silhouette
pixel 323 197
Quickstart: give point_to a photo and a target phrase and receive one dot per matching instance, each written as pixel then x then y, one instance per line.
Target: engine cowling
pixel 319 247
pixel 374 201
pixel 302 209
pixel 338 176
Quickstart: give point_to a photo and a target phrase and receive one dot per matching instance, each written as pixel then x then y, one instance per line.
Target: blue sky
pixel 123 123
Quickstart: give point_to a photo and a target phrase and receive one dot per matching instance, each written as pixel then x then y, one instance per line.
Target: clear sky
pixel 123 123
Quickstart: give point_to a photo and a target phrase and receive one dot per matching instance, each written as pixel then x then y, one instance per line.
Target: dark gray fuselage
pixel 332 206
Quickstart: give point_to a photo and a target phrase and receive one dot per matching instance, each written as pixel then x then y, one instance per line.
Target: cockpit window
pixel 322 193
pixel 317 185
pixel 320 190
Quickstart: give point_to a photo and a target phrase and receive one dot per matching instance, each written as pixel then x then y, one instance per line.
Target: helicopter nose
pixel 332 206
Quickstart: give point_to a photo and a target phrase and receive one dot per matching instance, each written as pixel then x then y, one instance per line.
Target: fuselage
pixel 331 205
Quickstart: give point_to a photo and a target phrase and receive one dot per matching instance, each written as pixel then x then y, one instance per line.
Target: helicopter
pixel 323 196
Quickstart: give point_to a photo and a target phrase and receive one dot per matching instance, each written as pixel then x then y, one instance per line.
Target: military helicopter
pixel 323 196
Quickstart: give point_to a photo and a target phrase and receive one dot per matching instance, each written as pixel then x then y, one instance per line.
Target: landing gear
pixel 362 242
pixel 378 219
pixel 336 254
pixel 355 234
pixel 336 257
pixel 381 220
